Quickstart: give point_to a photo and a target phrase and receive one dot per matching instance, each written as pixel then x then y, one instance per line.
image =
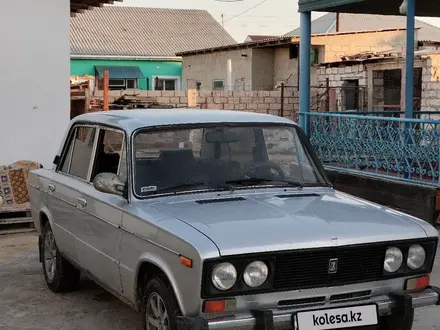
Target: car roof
pixel 130 120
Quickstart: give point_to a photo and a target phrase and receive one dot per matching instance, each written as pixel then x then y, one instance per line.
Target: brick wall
pixel 255 101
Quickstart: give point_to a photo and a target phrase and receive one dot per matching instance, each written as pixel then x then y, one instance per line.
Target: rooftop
pixel 243 45
pixel 424 8
pixel 365 22
pixel 256 37
pixel 113 31
pixel 271 42
pixel 134 119
pixel 79 6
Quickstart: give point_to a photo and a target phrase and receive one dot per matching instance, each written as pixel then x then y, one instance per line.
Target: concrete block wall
pixel 268 102
pixel 431 83
pixel 336 76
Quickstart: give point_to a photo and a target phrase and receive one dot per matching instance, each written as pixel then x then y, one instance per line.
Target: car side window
pixel 65 165
pixel 79 155
pixel 110 156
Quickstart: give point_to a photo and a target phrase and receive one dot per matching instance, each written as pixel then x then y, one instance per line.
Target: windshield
pixel 221 157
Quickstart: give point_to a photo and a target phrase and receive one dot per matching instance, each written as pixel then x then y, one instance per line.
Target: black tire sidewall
pixel 160 286
pixel 66 275
pixel 51 283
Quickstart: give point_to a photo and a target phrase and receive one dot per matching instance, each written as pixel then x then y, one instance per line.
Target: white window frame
pixel 177 78
pixel 136 83
pixel 218 88
pixel 136 80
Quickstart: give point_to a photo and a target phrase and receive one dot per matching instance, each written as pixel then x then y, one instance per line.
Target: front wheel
pixel 398 322
pixel 159 305
pixel 60 275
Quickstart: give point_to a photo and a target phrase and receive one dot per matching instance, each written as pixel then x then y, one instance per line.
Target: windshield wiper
pixel 256 181
pixel 205 185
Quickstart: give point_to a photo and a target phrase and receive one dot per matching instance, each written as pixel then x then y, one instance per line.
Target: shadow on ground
pixel 27 303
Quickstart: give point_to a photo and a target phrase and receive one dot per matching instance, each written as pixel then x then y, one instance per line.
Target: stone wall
pixel 256 101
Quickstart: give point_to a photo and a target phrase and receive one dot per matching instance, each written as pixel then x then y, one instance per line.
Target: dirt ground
pixel 27 303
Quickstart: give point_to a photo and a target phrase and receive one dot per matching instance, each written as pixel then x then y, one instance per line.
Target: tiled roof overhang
pixel 79 6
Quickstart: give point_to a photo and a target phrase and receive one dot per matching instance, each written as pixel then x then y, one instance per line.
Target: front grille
pixel 310 268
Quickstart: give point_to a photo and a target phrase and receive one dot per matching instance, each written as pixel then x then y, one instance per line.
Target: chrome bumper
pixel 269 319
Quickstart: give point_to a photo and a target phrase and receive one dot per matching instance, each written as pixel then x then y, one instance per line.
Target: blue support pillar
pixel 305 48
pixel 409 63
pixel 409 80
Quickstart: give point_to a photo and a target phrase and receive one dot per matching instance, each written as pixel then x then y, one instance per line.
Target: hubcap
pixel 156 313
pixel 50 255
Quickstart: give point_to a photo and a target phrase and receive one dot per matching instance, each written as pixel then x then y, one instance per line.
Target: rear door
pixel 71 177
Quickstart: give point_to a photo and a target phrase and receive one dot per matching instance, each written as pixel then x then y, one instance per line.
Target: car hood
pixel 247 223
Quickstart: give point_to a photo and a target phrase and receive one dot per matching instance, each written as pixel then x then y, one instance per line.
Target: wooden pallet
pixel 15 220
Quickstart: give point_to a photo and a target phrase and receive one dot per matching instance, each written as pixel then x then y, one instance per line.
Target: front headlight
pixel 255 274
pixel 224 276
pixel 416 257
pixel 393 260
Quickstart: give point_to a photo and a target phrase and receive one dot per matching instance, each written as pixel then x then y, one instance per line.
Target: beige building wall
pixel 337 45
pixel 206 68
pixel 286 69
pixel 262 69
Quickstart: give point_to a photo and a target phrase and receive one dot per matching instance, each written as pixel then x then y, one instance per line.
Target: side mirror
pixel 109 183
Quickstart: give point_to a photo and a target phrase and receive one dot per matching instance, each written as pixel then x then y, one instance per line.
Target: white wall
pixel 34 79
pixel 211 66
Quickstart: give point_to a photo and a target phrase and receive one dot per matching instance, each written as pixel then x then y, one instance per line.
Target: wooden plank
pixel 9 231
pixel 106 90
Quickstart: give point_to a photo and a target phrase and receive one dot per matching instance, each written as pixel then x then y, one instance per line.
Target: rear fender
pixel 44 213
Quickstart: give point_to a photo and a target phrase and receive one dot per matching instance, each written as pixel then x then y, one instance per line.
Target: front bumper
pixel 397 304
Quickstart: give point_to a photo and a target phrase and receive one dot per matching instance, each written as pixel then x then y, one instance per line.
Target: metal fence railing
pixel 425 114
pixel 404 149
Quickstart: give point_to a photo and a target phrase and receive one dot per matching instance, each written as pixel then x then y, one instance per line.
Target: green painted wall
pixel 148 68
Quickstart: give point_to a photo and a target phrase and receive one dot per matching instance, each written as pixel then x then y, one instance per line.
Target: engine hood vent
pixel 220 200
pixel 297 195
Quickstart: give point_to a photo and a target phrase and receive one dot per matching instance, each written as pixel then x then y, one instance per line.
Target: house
pixel 371 81
pixel 264 64
pixel 34 71
pixel 428 36
pixel 138 45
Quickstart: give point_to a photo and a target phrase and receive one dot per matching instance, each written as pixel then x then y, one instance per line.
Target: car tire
pixel 398 322
pixel 159 293
pixel 60 275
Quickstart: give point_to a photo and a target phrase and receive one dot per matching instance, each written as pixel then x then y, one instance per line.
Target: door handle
pixel 82 202
pixel 51 187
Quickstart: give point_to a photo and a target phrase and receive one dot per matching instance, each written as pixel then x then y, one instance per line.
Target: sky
pixel 269 17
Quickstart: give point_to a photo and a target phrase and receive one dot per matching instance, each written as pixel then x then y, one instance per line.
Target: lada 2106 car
pixel 204 219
